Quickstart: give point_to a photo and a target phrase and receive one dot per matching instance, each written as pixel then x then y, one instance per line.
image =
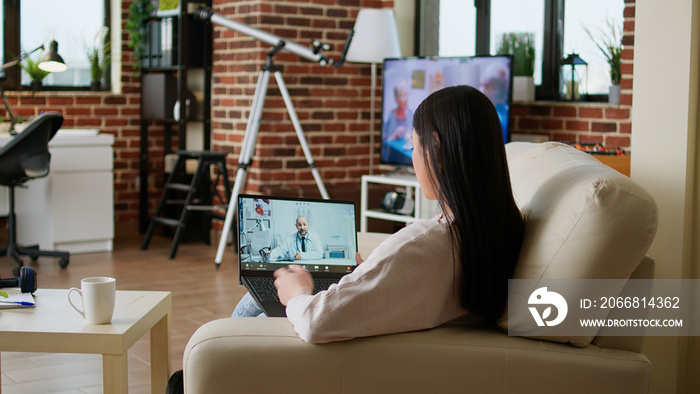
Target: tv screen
pixel 408 81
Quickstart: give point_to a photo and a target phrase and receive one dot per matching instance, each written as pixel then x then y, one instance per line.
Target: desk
pixel 53 326
pixel 71 209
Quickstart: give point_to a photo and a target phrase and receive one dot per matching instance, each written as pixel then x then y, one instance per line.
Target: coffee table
pixel 53 326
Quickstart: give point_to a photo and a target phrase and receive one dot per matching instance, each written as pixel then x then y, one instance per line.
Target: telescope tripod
pixel 251 135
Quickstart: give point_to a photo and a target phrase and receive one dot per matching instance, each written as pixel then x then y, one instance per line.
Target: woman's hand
pixel 293 281
pixel 358 258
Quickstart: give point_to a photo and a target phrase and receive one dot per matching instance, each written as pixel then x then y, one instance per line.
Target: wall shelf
pixel 175 88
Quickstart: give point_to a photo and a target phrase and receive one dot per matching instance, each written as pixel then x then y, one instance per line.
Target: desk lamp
pixel 375 39
pixel 51 62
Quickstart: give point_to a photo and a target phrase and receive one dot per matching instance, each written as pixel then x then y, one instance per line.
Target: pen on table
pixel 24 303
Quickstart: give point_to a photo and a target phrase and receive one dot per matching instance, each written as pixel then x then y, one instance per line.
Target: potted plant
pixel 522 46
pixel 610 45
pixel 99 57
pixel 36 74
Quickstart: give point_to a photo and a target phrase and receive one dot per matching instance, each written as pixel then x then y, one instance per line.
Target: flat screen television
pixel 408 81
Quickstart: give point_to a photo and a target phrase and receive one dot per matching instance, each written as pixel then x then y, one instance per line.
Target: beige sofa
pixel 584 220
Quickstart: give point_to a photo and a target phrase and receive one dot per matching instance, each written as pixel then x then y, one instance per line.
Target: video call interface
pixel 319 235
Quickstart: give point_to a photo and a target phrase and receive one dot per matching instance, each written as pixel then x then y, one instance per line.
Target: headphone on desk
pixel 26 281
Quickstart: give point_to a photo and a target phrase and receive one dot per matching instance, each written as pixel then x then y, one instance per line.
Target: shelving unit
pixel 175 88
pixel 422 209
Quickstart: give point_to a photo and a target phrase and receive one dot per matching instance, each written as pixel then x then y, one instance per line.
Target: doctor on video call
pixel 300 245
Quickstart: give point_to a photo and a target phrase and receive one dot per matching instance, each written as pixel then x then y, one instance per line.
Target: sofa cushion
pixel 584 220
pixel 238 355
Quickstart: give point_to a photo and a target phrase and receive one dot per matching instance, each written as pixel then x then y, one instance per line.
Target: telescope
pixel 314 54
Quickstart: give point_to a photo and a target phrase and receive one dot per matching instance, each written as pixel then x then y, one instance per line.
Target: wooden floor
pixel 200 292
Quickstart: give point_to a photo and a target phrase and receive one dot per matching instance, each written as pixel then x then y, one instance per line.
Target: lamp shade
pixel 52 61
pixel 375 37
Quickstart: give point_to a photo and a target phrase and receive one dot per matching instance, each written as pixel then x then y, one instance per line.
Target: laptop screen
pixel 319 235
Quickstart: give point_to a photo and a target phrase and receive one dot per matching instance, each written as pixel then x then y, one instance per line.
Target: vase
pixel 614 94
pixel 95 86
pixel 523 89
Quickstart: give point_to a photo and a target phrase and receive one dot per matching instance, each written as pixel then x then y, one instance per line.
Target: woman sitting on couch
pixel 434 271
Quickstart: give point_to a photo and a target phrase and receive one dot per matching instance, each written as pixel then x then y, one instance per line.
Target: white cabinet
pixel 71 209
pixel 423 209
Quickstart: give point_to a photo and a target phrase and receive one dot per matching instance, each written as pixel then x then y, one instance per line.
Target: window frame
pixel 553 42
pixel 12 45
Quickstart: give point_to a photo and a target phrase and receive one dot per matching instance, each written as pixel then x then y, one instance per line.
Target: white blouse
pixel 409 282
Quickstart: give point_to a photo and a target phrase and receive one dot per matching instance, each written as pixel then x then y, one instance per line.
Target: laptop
pixel 274 232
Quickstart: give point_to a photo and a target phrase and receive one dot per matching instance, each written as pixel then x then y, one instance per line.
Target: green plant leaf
pixel 99 55
pixel 610 45
pixel 139 11
pixel 522 46
pixel 32 68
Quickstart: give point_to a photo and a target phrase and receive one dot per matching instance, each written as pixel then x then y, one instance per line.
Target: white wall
pixel 664 139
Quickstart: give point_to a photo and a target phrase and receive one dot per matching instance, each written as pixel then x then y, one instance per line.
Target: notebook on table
pixel 16 299
pixel 274 232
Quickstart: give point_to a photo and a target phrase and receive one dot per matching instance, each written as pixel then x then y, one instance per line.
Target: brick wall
pixel 609 124
pixel 332 105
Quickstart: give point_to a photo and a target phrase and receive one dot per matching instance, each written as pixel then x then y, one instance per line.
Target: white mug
pixel 98 294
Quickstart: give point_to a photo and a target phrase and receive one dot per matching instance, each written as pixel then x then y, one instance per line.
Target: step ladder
pixel 200 193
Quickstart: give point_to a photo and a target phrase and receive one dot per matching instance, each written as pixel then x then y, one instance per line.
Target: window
pixel 457 36
pixel 507 17
pixel 469 27
pixel 593 15
pixel 74 24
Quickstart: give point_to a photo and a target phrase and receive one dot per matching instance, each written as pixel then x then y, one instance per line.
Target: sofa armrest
pixel 264 355
pixel 645 270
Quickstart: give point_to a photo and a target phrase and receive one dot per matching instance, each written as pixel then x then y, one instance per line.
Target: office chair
pixel 26 157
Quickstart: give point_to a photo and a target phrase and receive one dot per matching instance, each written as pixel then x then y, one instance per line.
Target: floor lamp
pixel 375 39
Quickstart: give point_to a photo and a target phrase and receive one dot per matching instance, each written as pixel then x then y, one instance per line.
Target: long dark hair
pixel 460 133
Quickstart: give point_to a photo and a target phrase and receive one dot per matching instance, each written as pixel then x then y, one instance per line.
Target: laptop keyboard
pixel 265 287
pixel 323 284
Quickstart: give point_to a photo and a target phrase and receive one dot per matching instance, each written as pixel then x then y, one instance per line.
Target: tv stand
pixel 422 209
